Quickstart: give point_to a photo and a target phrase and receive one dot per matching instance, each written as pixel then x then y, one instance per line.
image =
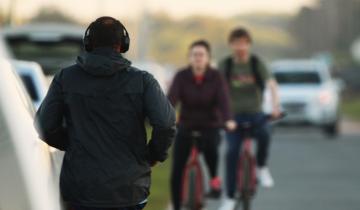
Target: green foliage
pixel 49 14
pixel 332 26
pixel 351 108
pixel 169 38
pixel 160 190
pixel 2 18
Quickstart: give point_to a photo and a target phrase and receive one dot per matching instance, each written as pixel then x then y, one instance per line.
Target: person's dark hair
pixel 239 33
pixel 106 32
pixel 201 43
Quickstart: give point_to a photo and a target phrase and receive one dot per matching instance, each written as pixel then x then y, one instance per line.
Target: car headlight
pixel 324 97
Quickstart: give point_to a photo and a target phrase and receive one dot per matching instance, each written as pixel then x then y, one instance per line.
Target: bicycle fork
pixel 247 179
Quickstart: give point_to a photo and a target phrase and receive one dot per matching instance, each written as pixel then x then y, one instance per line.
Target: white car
pixel 308 93
pixel 27 178
pixel 33 79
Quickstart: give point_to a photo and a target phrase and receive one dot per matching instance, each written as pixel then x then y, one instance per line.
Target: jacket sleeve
pixel 223 98
pixel 49 117
pixel 174 91
pixel 162 119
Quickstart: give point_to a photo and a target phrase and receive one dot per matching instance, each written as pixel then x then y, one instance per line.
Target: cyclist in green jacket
pixel 247 77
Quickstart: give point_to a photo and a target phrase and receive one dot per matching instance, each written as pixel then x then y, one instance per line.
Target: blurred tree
pixel 2 18
pixel 50 14
pixel 332 26
pixel 170 38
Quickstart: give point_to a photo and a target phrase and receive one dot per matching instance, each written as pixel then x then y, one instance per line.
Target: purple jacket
pixel 204 105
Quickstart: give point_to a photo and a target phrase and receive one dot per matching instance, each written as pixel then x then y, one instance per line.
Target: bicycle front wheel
pixel 194 191
pixel 246 180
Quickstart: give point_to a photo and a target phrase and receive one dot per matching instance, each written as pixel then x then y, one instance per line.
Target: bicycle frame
pixel 247 155
pixel 246 174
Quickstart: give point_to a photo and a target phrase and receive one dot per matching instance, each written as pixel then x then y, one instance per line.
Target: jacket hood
pixel 102 62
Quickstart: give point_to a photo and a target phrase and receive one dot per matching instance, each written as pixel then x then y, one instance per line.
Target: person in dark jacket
pixel 202 94
pixel 95 112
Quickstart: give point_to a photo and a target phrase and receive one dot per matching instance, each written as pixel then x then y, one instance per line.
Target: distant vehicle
pixel 308 93
pixel 33 79
pixel 27 179
pixel 52 45
pixel 4 51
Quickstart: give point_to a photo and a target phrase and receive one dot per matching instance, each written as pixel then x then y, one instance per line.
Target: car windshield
pixel 52 56
pixel 30 86
pixel 22 93
pixel 297 77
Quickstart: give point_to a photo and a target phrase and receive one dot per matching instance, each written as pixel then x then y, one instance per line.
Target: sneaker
pixel 215 188
pixel 265 177
pixel 228 204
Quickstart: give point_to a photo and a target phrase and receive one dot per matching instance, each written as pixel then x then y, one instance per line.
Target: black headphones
pixel 122 33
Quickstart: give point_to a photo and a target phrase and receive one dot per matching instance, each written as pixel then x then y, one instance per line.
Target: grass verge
pixel 160 194
pixel 160 178
pixel 351 109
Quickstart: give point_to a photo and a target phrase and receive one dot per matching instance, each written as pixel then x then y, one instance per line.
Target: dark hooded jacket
pixel 95 111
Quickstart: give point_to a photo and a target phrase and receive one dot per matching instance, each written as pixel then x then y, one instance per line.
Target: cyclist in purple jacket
pixel 202 94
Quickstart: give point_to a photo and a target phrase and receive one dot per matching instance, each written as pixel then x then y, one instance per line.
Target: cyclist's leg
pixel 209 143
pixel 234 141
pixel 262 135
pixel 181 151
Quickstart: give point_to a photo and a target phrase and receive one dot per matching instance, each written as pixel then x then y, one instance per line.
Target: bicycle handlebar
pixel 267 118
pixel 270 118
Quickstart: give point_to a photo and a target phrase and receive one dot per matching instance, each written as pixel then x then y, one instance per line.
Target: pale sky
pixel 85 10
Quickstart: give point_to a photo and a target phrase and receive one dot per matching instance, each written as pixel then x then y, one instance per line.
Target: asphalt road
pixel 311 172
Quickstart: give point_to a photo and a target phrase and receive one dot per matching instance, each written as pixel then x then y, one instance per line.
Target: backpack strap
pixel 228 68
pixel 254 65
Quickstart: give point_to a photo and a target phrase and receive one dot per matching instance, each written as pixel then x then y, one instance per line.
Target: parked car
pixel 308 93
pixel 31 171
pixel 52 45
pixel 34 80
pixel 4 50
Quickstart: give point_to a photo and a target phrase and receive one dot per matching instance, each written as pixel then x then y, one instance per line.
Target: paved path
pixel 312 172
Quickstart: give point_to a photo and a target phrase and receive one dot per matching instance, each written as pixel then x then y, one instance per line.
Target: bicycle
pixel 246 175
pixel 192 194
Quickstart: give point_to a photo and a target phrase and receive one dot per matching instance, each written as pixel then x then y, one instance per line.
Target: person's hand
pixel 230 125
pixel 153 163
pixel 276 113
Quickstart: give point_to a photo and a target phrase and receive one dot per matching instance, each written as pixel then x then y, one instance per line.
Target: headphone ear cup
pixel 86 39
pixel 125 44
pixel 86 43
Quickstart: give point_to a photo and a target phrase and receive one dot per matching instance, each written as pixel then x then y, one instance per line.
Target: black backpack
pixel 254 65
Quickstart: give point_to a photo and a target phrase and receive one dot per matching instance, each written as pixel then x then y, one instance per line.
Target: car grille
pixel 294 107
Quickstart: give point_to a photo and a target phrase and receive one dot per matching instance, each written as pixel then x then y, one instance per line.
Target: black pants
pixel 207 143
